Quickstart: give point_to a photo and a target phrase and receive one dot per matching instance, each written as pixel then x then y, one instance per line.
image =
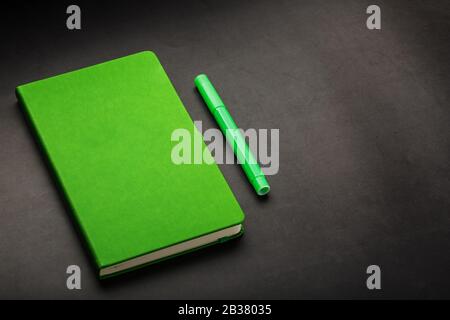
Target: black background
pixel 364 145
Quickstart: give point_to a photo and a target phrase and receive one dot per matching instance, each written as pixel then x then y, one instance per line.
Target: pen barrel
pixel 233 135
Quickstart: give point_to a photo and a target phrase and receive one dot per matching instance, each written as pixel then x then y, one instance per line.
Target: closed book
pixel 107 132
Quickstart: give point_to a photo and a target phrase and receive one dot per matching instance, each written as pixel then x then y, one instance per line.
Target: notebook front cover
pixel 106 130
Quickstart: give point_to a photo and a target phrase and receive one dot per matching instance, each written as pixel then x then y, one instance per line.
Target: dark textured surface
pixel 364 145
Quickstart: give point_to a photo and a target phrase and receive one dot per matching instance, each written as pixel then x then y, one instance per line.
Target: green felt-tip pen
pixel 232 134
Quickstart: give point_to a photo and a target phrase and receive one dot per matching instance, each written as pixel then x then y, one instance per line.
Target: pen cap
pixel 208 92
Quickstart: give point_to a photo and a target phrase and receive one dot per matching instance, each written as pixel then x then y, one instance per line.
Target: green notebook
pixel 106 131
